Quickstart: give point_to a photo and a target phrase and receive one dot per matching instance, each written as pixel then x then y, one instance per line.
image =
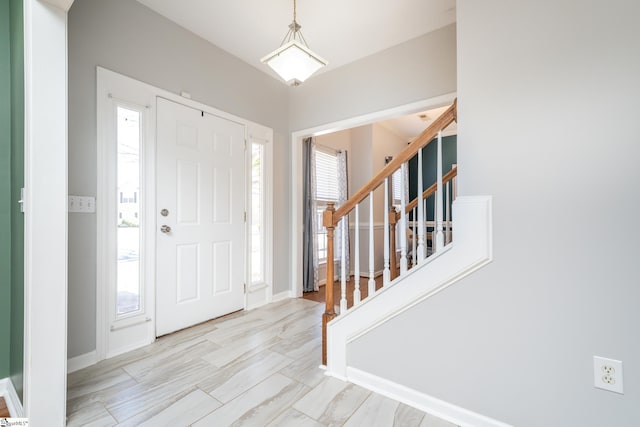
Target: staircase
pixel 412 270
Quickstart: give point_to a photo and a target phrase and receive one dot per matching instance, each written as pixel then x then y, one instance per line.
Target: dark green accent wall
pixel 11 181
pixel 5 188
pixel 17 182
pixel 429 167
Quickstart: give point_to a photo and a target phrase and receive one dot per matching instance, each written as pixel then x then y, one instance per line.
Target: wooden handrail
pixel 430 190
pixel 445 119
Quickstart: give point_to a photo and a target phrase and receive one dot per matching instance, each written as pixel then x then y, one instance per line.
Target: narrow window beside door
pixel 257 213
pixel 128 231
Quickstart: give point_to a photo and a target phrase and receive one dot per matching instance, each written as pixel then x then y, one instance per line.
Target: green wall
pixel 5 189
pixel 429 167
pixel 11 180
pixel 17 182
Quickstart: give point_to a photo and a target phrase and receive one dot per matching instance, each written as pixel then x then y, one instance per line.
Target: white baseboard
pixel 282 296
pixel 82 361
pixel 257 296
pixel 431 405
pixel 377 273
pixel 8 392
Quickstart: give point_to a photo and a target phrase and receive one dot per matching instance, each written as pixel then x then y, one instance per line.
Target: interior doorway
pixel 322 132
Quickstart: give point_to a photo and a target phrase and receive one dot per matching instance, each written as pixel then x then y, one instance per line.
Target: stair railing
pixel 415 225
pixel 333 218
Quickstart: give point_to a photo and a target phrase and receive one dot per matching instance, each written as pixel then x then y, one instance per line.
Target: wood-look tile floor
pixel 251 368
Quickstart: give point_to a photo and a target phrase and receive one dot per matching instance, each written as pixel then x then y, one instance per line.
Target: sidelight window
pixel 128 293
pixel 257 217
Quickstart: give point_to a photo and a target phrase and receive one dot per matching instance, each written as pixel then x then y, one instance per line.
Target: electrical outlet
pixel 607 374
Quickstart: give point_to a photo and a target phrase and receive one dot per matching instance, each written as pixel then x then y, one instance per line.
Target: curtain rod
pixel 325 148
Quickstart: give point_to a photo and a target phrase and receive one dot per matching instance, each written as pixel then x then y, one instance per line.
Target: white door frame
pixel 261 293
pixel 297 168
pixel 117 336
pixel 45 205
pixel 105 79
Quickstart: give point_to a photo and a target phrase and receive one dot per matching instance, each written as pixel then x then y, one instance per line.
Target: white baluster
pixel 421 239
pixel 403 223
pixel 455 185
pixel 448 214
pixel 454 192
pixel 372 280
pixel 414 256
pixel 356 262
pixel 435 215
pixel 423 225
pixel 343 268
pixel 386 272
pixel 439 211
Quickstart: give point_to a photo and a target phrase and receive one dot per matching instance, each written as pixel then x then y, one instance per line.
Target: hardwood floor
pixel 251 368
pixel 319 295
pixel 4 411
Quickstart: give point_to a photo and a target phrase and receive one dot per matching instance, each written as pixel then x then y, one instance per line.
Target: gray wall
pixel 419 69
pixel 129 38
pixel 548 104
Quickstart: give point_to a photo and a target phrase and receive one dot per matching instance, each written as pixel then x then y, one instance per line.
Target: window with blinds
pixel 326 191
pixel 326 176
pixel 396 187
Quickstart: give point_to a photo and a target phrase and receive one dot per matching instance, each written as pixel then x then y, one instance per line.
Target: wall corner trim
pixel 8 392
pixel 459 416
pixel 63 5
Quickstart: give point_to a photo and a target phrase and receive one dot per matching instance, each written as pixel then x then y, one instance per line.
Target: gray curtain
pixel 343 190
pixel 309 244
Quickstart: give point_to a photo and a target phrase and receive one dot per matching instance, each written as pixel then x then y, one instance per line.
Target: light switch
pixel 82 204
pixel 89 204
pixel 73 203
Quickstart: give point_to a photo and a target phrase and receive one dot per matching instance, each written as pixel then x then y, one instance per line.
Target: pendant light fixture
pixel 293 60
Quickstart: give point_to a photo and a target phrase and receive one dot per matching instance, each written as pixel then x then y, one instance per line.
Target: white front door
pixel 200 216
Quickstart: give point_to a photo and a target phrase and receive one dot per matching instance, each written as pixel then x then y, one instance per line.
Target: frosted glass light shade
pixel 294 62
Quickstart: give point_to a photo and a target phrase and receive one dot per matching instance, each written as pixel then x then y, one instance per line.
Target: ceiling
pixel 409 126
pixel 341 31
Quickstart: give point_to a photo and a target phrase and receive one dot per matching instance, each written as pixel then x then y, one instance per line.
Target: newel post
pixel 329 313
pixel 393 220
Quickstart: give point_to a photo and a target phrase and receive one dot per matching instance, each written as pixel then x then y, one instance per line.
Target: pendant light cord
pixel 294 10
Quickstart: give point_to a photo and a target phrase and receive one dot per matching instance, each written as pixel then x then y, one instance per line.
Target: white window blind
pixel 397 187
pixel 326 176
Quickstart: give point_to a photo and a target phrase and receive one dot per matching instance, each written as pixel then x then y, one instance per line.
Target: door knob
pixel 165 229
